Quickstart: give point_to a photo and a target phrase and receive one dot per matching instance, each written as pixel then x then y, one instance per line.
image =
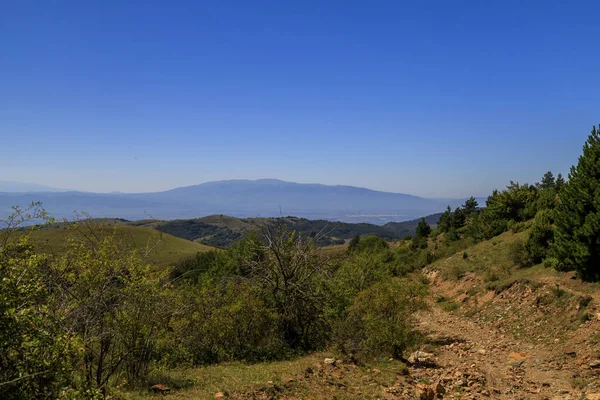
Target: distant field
pixel 168 249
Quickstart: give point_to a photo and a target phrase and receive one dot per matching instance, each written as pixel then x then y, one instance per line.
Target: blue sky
pixel 433 98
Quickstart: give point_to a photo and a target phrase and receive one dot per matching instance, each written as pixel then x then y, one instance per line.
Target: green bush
pixel 369 244
pixel 552 262
pixel 517 254
pixel 225 322
pixel 541 237
pixel 36 357
pixel 380 322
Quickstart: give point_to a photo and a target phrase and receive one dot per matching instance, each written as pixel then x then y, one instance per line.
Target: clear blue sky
pixel 434 98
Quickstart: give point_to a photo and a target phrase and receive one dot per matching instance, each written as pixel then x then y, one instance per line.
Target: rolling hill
pixel 222 230
pixel 166 249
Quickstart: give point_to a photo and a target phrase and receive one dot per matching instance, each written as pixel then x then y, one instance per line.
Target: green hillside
pixel 223 230
pixel 164 249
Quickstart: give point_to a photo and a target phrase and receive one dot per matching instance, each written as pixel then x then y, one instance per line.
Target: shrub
pixel 36 357
pixel 380 321
pixel 518 254
pixel 370 244
pixel 227 321
pixel 551 262
pixel 540 237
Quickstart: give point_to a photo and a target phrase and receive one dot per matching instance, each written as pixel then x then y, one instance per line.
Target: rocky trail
pixel 476 361
pixel 471 359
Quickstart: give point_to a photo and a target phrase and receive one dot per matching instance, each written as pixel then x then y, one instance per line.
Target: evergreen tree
pixel 548 181
pixel 577 236
pixel 470 206
pixel 423 228
pixel 445 222
pixel 560 182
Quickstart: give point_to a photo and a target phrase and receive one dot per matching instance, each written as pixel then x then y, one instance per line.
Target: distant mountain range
pixel 23 187
pixel 238 198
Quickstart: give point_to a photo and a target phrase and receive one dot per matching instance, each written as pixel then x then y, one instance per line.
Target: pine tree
pixel 423 229
pixel 445 222
pixel 548 181
pixel 577 236
pixel 470 205
pixel 560 182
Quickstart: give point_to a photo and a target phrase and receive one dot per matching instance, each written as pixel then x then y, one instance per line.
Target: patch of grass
pixel 500 286
pixel 481 257
pixel 558 292
pixel 584 301
pixel 440 299
pixel 451 306
pixel 584 317
pixel 579 382
pixel 311 379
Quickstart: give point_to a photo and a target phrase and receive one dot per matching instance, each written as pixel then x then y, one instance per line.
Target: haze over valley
pixel 237 198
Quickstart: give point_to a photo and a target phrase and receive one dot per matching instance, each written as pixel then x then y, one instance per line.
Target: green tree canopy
pixel 548 181
pixel 577 236
pixel 470 205
pixel 423 229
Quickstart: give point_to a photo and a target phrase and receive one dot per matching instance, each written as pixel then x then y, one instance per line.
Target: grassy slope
pixel 169 249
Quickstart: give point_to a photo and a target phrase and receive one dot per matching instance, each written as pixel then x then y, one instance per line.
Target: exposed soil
pixel 484 352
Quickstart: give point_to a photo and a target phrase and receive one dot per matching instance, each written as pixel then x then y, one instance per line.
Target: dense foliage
pixel 578 214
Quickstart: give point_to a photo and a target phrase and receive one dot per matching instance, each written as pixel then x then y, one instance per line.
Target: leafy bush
pixel 227 321
pixel 380 321
pixel 370 244
pixel 552 262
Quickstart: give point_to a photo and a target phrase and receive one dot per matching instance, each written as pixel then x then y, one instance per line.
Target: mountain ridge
pixel 238 198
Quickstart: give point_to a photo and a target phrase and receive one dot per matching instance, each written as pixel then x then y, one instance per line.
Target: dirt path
pixel 475 361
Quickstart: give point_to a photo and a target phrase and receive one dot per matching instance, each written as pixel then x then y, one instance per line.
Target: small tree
pixel 548 181
pixel 289 276
pixel 470 206
pixel 577 234
pixel 423 229
pixel 381 320
pixel 560 182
